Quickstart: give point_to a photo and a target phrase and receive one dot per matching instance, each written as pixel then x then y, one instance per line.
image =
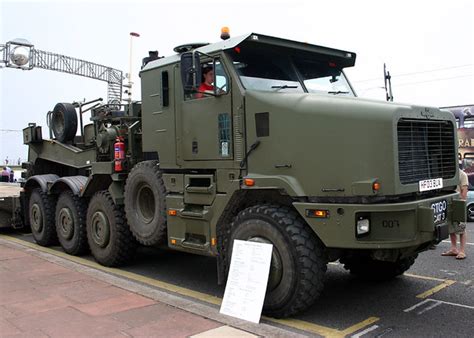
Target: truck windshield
pixel 268 70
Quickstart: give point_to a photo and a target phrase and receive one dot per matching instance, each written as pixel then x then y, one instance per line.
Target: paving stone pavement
pixel 43 299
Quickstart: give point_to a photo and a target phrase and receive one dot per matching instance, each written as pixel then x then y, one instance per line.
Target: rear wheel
pixel 41 217
pixel 145 204
pixel 364 267
pixel 108 235
pixel 298 261
pixel 71 223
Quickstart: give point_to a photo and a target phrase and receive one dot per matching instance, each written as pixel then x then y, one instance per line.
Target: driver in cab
pixel 207 85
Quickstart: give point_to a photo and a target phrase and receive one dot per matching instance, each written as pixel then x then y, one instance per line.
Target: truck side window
pixel 220 86
pixel 221 79
pixel 165 99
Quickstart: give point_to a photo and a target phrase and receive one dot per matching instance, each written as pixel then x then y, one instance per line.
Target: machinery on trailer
pixel 278 150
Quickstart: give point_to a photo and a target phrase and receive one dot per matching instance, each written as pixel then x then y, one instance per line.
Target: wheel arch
pixel 73 183
pixel 40 181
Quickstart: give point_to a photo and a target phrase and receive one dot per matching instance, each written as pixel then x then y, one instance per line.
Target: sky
pixel 428 46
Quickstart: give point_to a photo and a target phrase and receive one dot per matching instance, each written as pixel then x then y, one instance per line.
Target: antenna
pixel 387 80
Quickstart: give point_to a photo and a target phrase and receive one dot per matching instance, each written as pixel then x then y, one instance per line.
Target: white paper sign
pixel 247 282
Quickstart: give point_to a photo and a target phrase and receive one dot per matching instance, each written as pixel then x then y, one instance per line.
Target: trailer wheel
pixel 64 122
pixel 364 267
pixel 145 204
pixel 299 261
pixel 71 223
pixel 108 235
pixel 41 216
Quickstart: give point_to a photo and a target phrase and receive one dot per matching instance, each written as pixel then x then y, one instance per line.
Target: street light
pixel 130 82
pixel 18 53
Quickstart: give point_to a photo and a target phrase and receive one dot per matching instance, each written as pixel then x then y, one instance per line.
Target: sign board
pixel 247 281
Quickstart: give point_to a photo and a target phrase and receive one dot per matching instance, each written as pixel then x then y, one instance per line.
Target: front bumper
pixel 392 225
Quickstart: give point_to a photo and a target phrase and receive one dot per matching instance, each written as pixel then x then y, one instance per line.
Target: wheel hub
pixel 100 229
pixel 276 266
pixel 36 218
pixel 66 223
pixel 471 211
pixel 146 203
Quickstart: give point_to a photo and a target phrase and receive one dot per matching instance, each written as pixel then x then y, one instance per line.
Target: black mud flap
pixel 441 232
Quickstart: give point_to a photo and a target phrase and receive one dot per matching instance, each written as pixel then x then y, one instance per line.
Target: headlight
pixel 363 226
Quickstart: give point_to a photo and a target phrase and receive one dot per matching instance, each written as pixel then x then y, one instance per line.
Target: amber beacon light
pixel 225 33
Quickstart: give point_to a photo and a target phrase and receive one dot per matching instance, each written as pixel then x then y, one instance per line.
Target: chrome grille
pixel 426 150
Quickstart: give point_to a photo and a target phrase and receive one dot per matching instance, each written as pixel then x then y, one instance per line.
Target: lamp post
pixel 130 83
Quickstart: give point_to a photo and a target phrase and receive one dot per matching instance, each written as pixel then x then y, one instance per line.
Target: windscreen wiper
pixel 284 87
pixel 338 92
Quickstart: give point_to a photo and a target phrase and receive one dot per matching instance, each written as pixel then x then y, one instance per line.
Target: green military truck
pixel 280 151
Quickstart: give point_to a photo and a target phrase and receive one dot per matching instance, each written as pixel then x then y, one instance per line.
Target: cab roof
pixel 342 58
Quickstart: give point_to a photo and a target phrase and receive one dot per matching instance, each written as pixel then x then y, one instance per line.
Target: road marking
pixel 323 330
pixel 426 309
pixel 416 305
pixel 424 277
pixel 306 326
pixel 293 323
pixel 369 329
pixel 450 243
pixel 456 304
pixel 437 288
pixel 359 326
pixel 437 302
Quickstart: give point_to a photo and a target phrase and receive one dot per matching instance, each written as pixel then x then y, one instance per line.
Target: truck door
pixel 204 124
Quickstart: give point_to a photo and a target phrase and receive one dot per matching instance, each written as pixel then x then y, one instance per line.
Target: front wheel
pixel 298 262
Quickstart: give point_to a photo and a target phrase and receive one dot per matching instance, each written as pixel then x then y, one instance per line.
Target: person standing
pixel 459 228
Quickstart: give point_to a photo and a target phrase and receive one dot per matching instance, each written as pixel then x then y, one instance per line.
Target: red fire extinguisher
pixel 119 153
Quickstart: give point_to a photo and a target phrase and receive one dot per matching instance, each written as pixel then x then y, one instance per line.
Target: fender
pixel 74 183
pixel 40 180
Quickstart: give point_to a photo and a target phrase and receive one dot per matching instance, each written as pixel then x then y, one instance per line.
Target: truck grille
pixel 426 150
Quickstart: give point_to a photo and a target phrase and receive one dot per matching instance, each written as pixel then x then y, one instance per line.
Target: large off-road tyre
pixel 364 267
pixel 299 260
pixel 145 203
pixel 64 122
pixel 108 235
pixel 41 217
pixel 71 230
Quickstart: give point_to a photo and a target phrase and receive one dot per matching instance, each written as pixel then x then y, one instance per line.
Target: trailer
pixel 10 208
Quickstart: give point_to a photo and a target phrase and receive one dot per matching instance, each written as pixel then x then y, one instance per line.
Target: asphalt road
pixel 434 298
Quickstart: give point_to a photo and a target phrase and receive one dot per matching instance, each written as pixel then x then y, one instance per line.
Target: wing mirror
pixel 190 71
